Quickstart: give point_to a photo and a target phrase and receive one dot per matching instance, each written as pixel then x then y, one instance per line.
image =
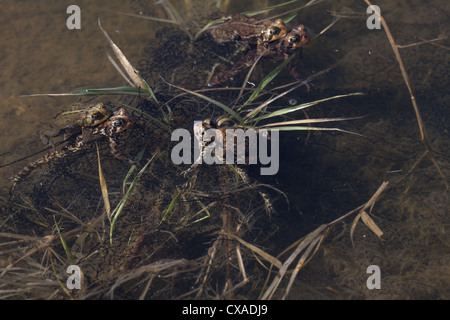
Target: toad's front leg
pixel 117 153
pixel 245 62
pixel 297 75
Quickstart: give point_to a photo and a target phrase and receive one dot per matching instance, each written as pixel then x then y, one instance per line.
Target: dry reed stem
pixel 103 186
pixel 44 242
pixel 314 240
pixel 423 136
pixel 123 61
pixel 273 261
pixel 309 239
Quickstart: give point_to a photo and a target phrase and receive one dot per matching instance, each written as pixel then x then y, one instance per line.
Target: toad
pixel 74 119
pixel 110 128
pixel 248 30
pixel 283 46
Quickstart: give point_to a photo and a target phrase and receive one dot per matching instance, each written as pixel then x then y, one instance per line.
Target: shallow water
pixel 323 174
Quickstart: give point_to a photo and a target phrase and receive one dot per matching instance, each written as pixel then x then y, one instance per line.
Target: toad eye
pixel 294 39
pixel 93 117
pixel 118 123
pixel 274 31
pixel 96 116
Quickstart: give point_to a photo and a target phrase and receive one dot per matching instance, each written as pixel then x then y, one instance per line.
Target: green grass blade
pixel 150 91
pixel 86 92
pixel 267 80
pixel 304 121
pixel 106 91
pixel 290 17
pixel 118 210
pixel 254 112
pixel 171 205
pixel 63 287
pixel 149 116
pixel 152 94
pixel 304 106
pixel 133 167
pixel 297 128
pixel 66 248
pixel 208 214
pixel 228 110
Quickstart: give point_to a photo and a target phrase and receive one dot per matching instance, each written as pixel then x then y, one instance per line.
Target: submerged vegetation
pixel 150 229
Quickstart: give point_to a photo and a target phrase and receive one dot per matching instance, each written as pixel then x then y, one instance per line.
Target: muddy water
pixel 324 175
pixel 40 55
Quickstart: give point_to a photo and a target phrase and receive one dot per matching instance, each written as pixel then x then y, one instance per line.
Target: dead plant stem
pixel 423 137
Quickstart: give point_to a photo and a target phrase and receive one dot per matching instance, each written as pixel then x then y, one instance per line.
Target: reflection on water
pixel 324 175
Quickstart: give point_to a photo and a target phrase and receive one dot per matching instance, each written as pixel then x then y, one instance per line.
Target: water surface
pixel 324 175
